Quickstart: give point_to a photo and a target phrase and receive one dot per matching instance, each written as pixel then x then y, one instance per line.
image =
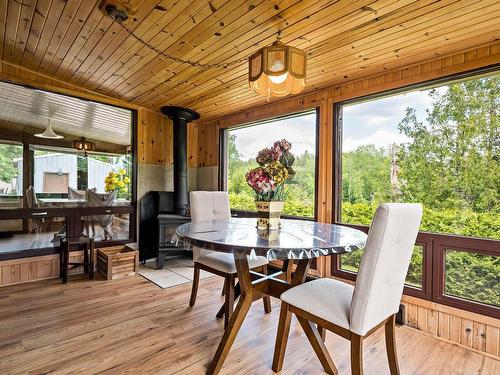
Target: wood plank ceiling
pixel 72 40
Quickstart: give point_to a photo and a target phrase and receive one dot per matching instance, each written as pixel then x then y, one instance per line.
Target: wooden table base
pixel 254 286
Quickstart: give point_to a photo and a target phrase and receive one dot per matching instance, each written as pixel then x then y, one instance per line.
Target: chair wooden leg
pixel 86 268
pixel 61 261
pixel 66 263
pixel 229 300
pixel 322 332
pixel 356 354
pixel 282 337
pixel 221 311
pixel 196 281
pixel 92 252
pixel 266 300
pixel 318 345
pixel 237 293
pixel 224 287
pixel 267 304
pixel 285 315
pixel 390 344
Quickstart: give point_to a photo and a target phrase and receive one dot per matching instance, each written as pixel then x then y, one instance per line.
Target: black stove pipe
pixel 180 117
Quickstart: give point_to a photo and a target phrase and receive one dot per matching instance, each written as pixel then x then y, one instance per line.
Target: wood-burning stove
pixel 167 243
pixel 162 212
pixel 158 222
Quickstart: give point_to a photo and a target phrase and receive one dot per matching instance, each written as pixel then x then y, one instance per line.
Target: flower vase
pixel 269 214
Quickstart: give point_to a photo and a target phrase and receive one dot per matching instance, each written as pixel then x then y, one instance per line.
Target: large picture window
pixel 243 144
pixel 50 188
pixel 437 146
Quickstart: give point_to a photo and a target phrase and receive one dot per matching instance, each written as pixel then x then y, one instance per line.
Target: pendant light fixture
pixel 277 70
pixel 82 144
pixel 49 133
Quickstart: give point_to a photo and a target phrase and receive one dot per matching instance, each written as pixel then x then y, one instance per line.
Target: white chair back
pixel 384 265
pixel 208 205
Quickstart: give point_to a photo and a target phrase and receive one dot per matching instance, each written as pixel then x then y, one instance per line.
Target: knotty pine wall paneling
pixel 155 152
pixel 208 157
pixel 474 331
pixel 154 130
pixel 155 137
pixel 208 150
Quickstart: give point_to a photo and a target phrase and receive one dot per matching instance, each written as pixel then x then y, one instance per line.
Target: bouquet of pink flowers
pixel 268 180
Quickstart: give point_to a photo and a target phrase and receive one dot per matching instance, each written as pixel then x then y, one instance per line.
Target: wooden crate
pixel 117 262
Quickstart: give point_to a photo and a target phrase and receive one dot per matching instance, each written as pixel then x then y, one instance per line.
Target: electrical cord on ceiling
pixel 179 60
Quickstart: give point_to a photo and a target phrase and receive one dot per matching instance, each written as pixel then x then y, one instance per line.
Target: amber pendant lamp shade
pixel 277 70
pixel 82 144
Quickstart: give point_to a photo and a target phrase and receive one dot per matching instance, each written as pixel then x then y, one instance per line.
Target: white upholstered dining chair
pixel 355 312
pixel 214 205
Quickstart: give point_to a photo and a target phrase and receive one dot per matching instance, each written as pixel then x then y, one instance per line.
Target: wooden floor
pixel 132 326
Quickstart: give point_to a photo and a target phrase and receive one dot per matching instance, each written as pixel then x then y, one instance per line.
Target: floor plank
pixel 131 326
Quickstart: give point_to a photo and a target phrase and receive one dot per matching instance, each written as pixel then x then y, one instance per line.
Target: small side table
pixel 88 255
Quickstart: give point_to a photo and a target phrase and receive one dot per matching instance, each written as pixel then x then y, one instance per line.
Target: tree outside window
pixel 439 147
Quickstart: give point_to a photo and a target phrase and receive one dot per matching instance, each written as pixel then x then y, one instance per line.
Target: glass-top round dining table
pixel 297 241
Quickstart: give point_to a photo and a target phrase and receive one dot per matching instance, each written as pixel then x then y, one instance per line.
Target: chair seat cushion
pixel 225 261
pixel 327 299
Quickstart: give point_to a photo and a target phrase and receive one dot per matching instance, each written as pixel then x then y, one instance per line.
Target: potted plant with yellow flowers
pixel 269 181
pixel 117 181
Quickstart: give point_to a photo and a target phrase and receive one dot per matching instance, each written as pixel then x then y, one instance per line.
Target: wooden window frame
pixel 472 245
pixel 435 244
pixel 223 138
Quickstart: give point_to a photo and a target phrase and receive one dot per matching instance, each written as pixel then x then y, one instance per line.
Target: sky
pixel 300 131
pixel 372 122
pixel 376 121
